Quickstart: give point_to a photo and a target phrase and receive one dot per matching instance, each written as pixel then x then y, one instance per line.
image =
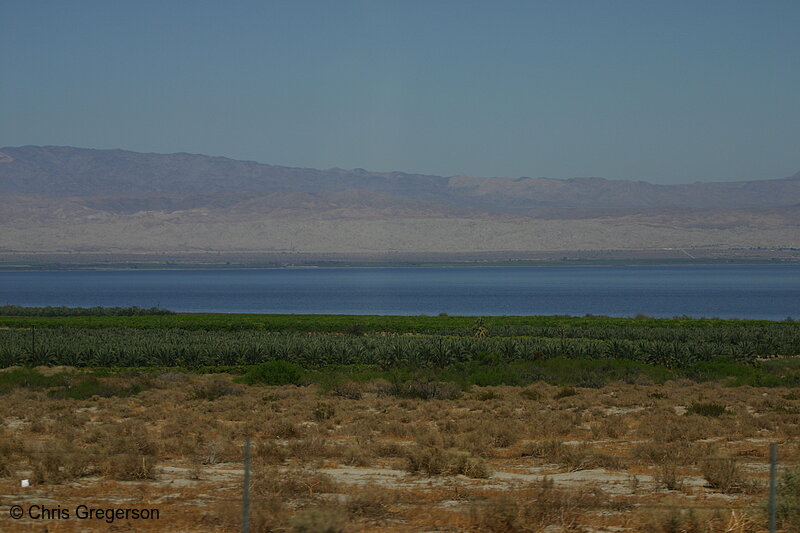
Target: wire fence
pixel 242 493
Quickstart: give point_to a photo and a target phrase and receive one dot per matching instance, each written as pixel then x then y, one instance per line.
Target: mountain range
pixel 56 199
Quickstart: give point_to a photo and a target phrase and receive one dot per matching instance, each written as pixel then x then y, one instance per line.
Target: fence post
pixel 246 496
pixel 773 487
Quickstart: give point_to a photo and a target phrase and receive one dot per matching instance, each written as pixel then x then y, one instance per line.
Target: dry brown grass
pixel 573 456
pixel 360 458
pixel 290 482
pixel 434 461
pixel 533 510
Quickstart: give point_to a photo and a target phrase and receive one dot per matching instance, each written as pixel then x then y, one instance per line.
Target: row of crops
pixel 132 347
pixel 757 334
pixel 456 325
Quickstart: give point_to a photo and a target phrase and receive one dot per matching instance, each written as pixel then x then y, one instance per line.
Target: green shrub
pixel 488 377
pixel 29 378
pixel 90 387
pixel 274 373
pixel 65 385
pixel 706 409
pixel 588 383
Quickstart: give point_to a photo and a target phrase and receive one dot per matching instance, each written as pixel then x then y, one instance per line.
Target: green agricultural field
pixel 585 351
pixel 369 323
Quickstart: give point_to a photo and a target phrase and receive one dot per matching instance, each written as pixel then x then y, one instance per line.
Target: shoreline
pixel 48 267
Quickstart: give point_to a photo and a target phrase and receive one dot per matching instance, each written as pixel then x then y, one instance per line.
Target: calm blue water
pixel 758 292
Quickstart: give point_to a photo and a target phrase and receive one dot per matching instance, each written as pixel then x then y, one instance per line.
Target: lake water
pixel 743 291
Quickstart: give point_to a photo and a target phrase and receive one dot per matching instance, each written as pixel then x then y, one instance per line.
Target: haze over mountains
pixel 63 199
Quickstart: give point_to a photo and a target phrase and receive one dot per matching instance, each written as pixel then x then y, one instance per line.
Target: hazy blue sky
pixel 671 91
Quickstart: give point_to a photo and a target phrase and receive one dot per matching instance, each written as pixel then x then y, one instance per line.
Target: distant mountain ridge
pixel 79 172
pixel 78 200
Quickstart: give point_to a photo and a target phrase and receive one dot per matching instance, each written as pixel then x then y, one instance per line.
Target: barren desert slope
pixel 74 200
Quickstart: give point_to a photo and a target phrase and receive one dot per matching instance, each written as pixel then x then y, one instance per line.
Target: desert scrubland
pixel 488 437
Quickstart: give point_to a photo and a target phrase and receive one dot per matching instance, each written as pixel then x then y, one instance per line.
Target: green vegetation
pixel 706 409
pixel 274 373
pixel 417 354
pixel 16 310
pixel 87 387
pixel 29 378
pixel 78 386
pixel 678 347
pixel 403 382
pixel 461 325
